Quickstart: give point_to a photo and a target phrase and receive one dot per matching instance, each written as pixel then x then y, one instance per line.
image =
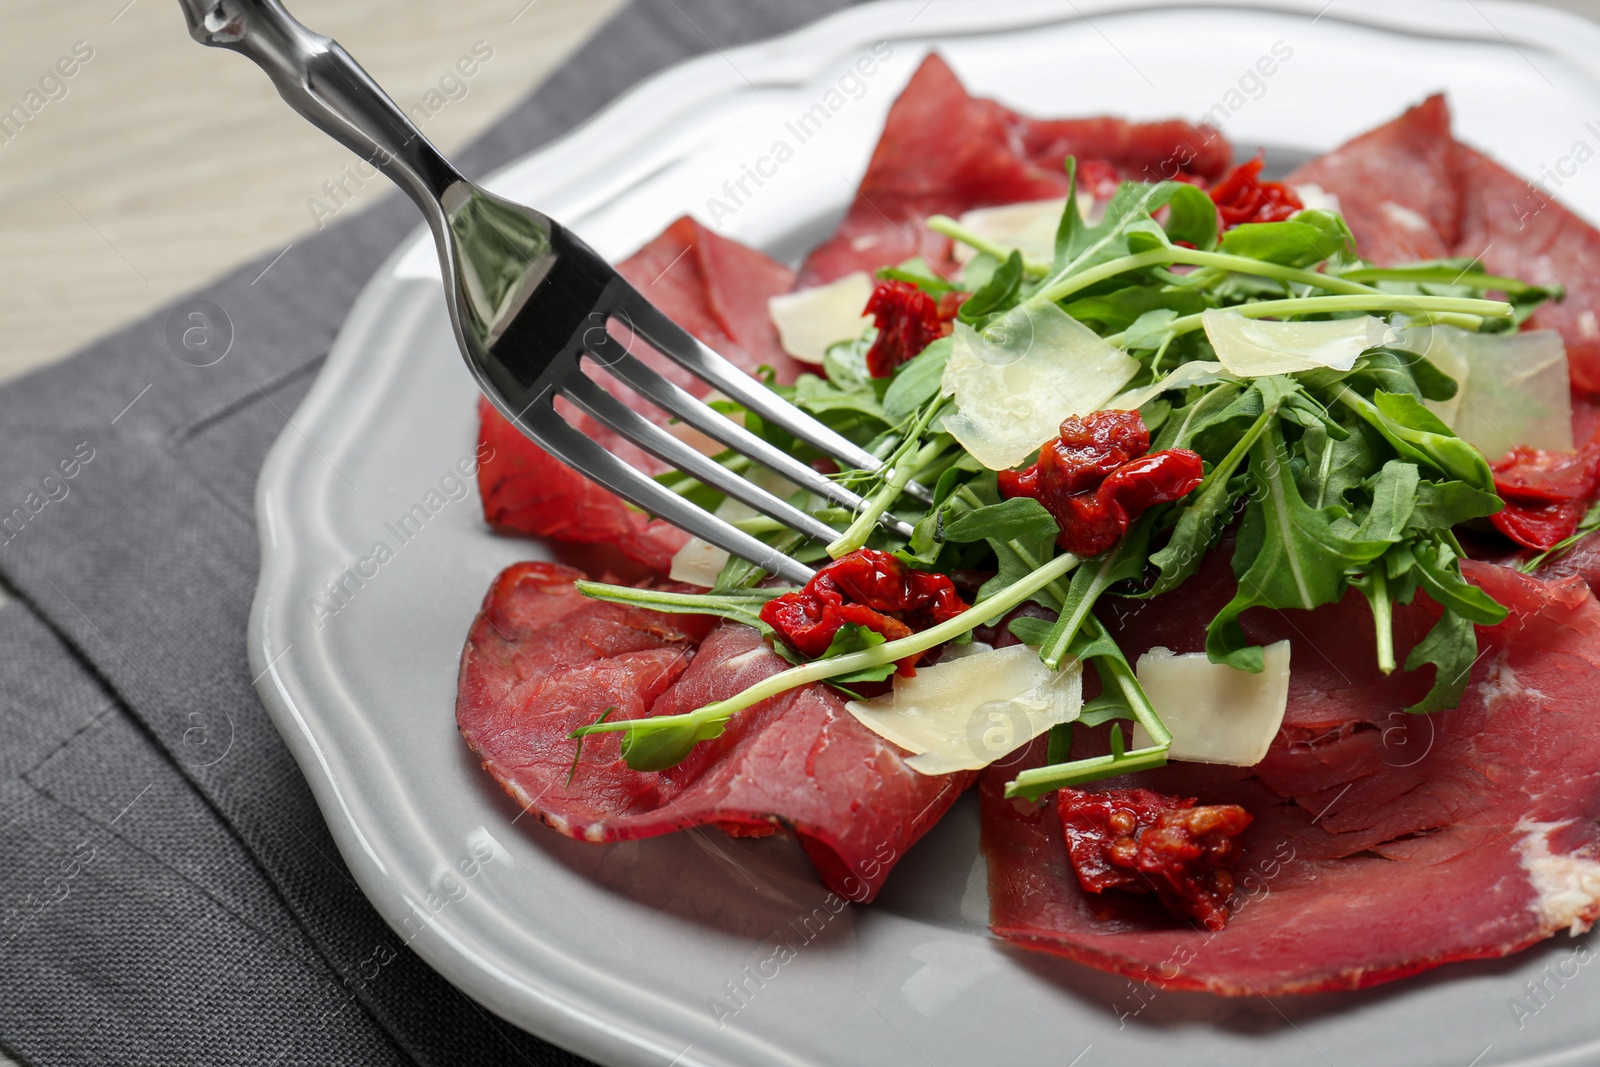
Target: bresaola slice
pixel 716 289
pixel 943 151
pixel 1410 191
pixel 542 660
pixel 1383 844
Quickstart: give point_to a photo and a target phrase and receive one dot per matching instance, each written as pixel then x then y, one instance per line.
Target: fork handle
pixel 319 79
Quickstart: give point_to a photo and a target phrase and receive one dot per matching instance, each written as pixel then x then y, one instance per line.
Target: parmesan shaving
pixel 811 320
pixel 1016 381
pixel 1255 348
pixel 1513 387
pixel 966 712
pixel 1196 372
pixel 1316 198
pixel 1028 227
pixel 1217 713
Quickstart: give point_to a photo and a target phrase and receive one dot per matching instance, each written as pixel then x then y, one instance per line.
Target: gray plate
pixel 694 948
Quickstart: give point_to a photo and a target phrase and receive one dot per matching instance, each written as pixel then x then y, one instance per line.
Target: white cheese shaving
pixel 1028 370
pixel 1196 372
pixel 809 320
pixel 1566 887
pixel 1028 227
pixel 966 712
pixel 699 562
pixel 1217 713
pixel 1405 218
pixel 1513 387
pixel 1316 198
pixel 1254 348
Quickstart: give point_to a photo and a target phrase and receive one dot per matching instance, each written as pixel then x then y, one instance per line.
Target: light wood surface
pixel 165 163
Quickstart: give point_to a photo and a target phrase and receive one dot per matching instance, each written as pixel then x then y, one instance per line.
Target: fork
pixel 533 308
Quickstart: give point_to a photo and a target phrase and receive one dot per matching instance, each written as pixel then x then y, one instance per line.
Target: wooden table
pixel 159 164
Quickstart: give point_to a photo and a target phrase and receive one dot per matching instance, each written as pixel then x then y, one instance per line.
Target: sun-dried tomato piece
pixel 1546 493
pixel 869 588
pixel 1095 478
pixel 908 320
pixel 1241 196
pixel 1140 841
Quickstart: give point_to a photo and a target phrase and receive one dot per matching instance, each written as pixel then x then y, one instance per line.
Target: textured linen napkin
pixel 169 892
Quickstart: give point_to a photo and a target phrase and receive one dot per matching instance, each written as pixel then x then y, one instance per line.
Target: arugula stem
pixel 1440 276
pixel 1220 262
pixel 1037 781
pixel 1382 616
pixel 1155 257
pixel 1318 305
pixel 904 471
pixel 823 669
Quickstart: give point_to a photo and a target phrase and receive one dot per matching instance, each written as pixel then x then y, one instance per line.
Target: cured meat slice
pixel 715 288
pixel 542 660
pixel 1410 191
pixel 1520 231
pixel 1382 844
pixel 943 151
pixel 1396 186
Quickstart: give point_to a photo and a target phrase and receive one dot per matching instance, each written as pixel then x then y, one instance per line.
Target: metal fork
pixel 532 307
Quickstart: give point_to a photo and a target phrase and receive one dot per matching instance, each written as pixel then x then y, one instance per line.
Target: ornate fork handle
pixel 320 80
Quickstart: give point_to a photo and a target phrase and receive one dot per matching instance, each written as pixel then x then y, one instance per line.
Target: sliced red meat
pixel 1382 844
pixel 715 288
pixel 943 151
pixel 1524 233
pixel 542 660
pixel 1396 186
pixel 1410 191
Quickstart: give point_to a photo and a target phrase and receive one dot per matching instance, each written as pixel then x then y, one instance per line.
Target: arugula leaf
pixel 1310 237
pixel 845 364
pixel 1123 562
pixel 1438 571
pixel 1080 246
pixel 1119 309
pixel 1217 405
pixel 916 382
pixel 1029 630
pixel 1394 497
pixel 1192 217
pixel 1420 436
pixel 741 606
pixel 855 638
pixel 997 294
pixel 1334 465
pixel 666 746
pixel 1452 647
pixel 917 272
pixel 1021 532
pixel 1441 505
pixel 1288 554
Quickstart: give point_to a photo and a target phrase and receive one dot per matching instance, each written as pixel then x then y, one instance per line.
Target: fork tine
pixel 555 435
pixel 666 394
pixel 678 345
pixel 589 396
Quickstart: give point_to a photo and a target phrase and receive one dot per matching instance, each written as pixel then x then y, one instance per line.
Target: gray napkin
pixel 169 892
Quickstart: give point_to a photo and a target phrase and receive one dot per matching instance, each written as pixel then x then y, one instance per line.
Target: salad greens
pixel 1324 479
